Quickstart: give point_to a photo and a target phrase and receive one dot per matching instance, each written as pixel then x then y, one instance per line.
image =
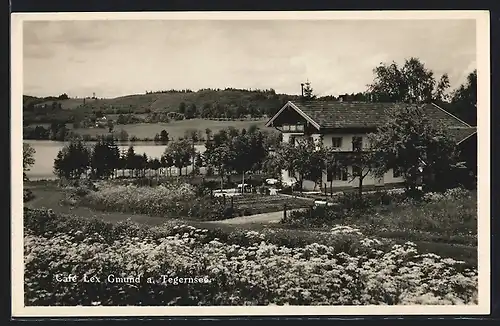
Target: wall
pixel 369 180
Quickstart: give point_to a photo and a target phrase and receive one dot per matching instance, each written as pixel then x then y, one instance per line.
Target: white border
pixel 483 126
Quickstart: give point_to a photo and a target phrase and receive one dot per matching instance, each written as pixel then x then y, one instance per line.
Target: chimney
pixel 302 88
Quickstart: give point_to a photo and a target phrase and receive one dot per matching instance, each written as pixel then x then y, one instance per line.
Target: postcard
pixel 250 163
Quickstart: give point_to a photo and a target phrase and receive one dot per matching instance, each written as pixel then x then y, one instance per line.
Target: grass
pixel 448 220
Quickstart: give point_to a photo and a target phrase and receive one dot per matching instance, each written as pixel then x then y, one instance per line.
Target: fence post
pixel 284 211
pixel 224 199
pixel 232 203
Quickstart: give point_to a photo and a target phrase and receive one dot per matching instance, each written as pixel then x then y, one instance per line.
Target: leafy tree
pixel 364 162
pixel 298 158
pixel 411 82
pixel 410 142
pixel 72 160
pixel 464 100
pixel 182 108
pixel 332 161
pixel 208 133
pixel 167 161
pixel 219 158
pixel 28 158
pixel 180 152
pixel 154 164
pixel 110 126
pixel 164 136
pixel 191 111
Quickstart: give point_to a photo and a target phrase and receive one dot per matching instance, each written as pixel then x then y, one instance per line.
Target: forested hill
pixel 207 103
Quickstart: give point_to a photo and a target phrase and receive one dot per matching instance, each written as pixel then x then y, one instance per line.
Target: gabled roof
pixel 339 115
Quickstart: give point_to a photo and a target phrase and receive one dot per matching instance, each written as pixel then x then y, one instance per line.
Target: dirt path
pixel 264 218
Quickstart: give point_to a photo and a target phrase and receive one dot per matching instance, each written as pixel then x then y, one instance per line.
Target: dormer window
pixel 286 127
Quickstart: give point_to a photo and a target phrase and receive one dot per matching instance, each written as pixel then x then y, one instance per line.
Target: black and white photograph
pixel 250 163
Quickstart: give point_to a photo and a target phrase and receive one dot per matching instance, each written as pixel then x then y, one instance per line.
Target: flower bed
pixel 254 272
pixel 176 201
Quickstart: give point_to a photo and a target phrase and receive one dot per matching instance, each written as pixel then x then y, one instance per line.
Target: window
pixel 396 173
pixel 286 128
pixel 357 143
pixel 337 142
pixel 291 140
pixel 336 173
pixel 356 170
pixel 300 127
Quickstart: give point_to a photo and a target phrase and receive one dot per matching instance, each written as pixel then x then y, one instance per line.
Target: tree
pixel 418 147
pixel 164 136
pixel 190 111
pixel 180 152
pixel 363 162
pixel 110 126
pixel 167 162
pixel 130 160
pixel 208 133
pixel 105 158
pixel 155 165
pixel 298 158
pixel 412 82
pixel 28 158
pixel 182 108
pixel 308 91
pixel 332 162
pixel 219 158
pixel 464 100
pixel 72 160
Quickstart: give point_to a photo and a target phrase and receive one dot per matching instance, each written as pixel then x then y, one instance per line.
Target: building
pixel 345 125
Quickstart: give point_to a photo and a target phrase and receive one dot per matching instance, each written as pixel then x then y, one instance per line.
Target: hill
pixel 226 102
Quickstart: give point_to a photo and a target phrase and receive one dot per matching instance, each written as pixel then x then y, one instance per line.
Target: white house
pixel 344 125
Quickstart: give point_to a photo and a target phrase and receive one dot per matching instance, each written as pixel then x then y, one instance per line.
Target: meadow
pixel 175 129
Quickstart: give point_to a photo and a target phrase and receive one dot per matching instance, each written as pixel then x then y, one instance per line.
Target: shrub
pixel 28 195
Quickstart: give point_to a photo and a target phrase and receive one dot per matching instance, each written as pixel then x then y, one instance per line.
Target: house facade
pixel 345 126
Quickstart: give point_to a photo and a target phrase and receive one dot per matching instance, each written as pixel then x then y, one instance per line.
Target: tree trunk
pixel 243 183
pixel 360 190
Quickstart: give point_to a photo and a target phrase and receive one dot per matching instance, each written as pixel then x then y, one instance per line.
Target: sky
pixel 116 58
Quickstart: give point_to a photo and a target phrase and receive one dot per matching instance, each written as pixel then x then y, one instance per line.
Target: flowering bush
pixel 254 273
pixel 171 200
pixel 450 194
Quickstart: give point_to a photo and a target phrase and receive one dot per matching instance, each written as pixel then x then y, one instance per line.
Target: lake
pixel 46 152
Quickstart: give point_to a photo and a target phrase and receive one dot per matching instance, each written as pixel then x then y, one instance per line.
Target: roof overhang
pixel 298 110
pixel 469 136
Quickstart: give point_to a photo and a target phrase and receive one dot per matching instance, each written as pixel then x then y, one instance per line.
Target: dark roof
pixel 461 134
pixel 336 114
pixel 339 115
